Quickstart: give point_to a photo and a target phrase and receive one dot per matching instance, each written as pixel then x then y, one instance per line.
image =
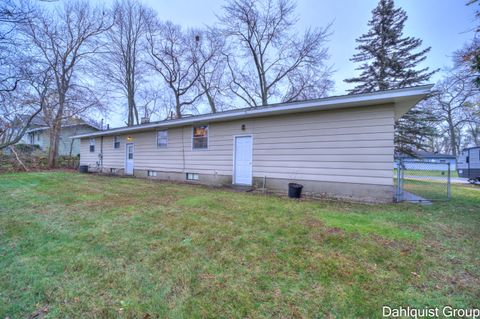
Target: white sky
pixel 445 25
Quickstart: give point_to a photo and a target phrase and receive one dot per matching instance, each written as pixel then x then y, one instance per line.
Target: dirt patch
pixel 39 313
pixel 463 280
pixel 321 232
pixel 335 231
pixel 401 245
pixel 311 222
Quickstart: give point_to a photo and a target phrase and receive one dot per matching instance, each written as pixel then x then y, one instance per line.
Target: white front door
pixel 129 159
pixel 243 160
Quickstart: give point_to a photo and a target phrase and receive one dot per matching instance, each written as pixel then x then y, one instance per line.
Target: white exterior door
pixel 243 160
pixel 129 159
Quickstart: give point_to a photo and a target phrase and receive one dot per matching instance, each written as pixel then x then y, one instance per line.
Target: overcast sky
pixel 445 25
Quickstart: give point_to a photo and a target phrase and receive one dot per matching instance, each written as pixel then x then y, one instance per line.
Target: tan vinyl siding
pixel 86 157
pixel 148 156
pixel 349 145
pixel 113 156
pixel 345 146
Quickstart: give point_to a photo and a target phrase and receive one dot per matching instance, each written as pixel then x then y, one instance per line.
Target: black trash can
pixel 83 169
pixel 294 190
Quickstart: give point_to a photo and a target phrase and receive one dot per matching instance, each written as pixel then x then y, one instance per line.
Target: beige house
pixel 337 146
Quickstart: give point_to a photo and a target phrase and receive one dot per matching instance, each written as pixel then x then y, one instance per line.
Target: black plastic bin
pixel 294 190
pixel 83 168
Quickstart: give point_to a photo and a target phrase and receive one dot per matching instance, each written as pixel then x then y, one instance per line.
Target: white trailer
pixel 468 164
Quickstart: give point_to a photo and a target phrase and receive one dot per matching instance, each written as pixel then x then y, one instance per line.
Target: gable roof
pixel 403 99
pixel 72 122
pixel 43 128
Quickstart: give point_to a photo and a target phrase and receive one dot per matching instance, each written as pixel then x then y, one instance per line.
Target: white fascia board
pixel 406 96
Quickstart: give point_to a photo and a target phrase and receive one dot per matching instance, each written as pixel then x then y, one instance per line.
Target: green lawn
pixel 104 247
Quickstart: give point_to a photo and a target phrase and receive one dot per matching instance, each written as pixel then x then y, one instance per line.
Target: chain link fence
pixel 422 181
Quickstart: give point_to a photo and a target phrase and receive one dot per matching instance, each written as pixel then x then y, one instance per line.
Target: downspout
pixel 468 163
pixel 101 154
pixel 183 150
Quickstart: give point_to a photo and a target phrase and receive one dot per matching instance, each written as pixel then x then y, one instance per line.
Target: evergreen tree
pixel 389 60
pixel 469 56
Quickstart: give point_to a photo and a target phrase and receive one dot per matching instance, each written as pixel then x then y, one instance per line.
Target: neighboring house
pixel 337 146
pixel 39 134
pixel 469 163
pixel 430 157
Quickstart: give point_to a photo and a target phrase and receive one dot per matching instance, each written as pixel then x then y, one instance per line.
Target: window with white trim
pixel 200 137
pixel 116 141
pixel 151 173
pixel 192 176
pixel 162 139
pixel 92 145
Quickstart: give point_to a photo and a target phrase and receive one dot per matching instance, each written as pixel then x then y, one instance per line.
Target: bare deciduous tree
pixel 64 38
pixel 213 78
pixel 472 113
pixel 123 64
pixel 16 110
pixel 308 83
pixel 174 56
pixel 273 57
pixel 11 17
pixel 454 93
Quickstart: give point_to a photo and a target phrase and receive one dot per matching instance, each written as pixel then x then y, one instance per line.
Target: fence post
pixel 449 182
pixel 399 188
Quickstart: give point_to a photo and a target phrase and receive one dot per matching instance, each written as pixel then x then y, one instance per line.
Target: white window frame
pixel 166 145
pixel 208 138
pixel 116 139
pixel 191 176
pixel 92 143
pixel 151 173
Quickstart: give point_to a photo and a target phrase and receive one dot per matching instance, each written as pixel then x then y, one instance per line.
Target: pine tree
pixel 389 61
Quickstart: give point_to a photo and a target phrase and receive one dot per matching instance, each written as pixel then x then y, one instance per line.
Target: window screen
pixel 162 139
pixel 200 137
pixel 116 142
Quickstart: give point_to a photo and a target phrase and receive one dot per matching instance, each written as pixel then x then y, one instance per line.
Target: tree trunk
pixel 211 102
pixel 71 142
pixel 53 150
pixel 130 115
pixel 131 110
pixel 264 89
pixel 55 131
pixel 132 107
pixel 135 111
pixel 178 108
pixel 453 134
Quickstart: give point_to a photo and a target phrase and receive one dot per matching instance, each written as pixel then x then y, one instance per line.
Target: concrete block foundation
pixel 314 189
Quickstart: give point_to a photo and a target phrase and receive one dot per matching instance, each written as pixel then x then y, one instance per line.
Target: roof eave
pixel 406 98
